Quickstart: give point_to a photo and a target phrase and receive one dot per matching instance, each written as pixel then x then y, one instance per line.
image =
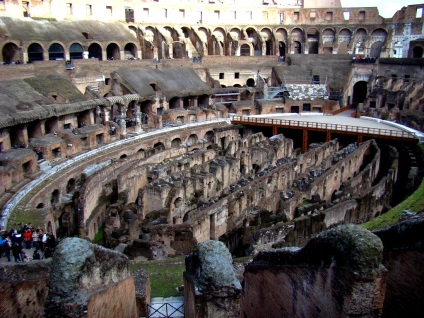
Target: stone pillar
pixel 339 273
pixel 211 288
pixel 138 122
pixel 123 126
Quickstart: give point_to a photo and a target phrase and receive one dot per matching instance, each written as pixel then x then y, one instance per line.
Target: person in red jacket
pixel 28 238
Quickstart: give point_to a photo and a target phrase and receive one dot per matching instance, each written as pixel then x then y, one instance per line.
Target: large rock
pixel 87 280
pixel 337 274
pixel 211 288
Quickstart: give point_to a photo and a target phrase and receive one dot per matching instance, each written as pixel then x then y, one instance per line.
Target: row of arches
pixel 255 41
pixel 57 51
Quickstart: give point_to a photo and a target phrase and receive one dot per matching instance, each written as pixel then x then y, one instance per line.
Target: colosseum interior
pixel 118 118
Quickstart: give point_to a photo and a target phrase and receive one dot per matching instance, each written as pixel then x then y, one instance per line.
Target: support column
pixel 360 137
pixel 328 137
pixel 274 130
pixel 304 140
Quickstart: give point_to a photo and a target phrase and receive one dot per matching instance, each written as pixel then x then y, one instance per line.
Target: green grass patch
pixel 165 275
pixel 414 203
pixel 98 238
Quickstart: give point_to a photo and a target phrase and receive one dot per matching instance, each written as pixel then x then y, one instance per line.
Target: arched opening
pixel 95 52
pixel 313 39
pixel 359 92
pixel 76 52
pixel 56 52
pixel 297 47
pixel 112 52
pixel 174 103
pixel 245 50
pixel 40 206
pixel 376 49
pixel 178 50
pixel 192 140
pixel 50 125
pixel 34 129
pixel 417 52
pixel 250 82
pixel 203 101
pixel 268 47
pixel 281 48
pixel 123 156
pixel 11 53
pixel 210 136
pixel 35 52
pixel 54 198
pixel 158 147
pixel 130 51
pixel 70 187
pixel 186 217
pixel 175 143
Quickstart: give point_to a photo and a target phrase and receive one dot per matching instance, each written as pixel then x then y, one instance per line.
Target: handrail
pixel 325 126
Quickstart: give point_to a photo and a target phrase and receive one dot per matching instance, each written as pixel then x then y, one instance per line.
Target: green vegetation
pixel 414 203
pixel 165 275
pixel 98 238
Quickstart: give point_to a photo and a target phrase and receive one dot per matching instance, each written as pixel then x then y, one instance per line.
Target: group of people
pixel 16 241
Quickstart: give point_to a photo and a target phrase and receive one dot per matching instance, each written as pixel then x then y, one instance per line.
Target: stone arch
pixel 174 103
pixel 216 45
pixel 11 53
pixel 246 50
pixel 95 51
pixel 158 147
pixel 54 197
pixel 192 140
pixel 113 52
pixel 417 51
pixel 255 39
pixel 269 40
pixel 312 35
pixel 345 39
pixel 76 51
pixel 70 186
pixel 134 30
pixel 130 51
pixel 35 52
pixel 327 37
pixel 175 143
pixel 297 37
pixel 378 38
pixel 203 35
pixel 250 82
pixel 359 41
pixel 56 52
pixel 359 92
pixel 209 136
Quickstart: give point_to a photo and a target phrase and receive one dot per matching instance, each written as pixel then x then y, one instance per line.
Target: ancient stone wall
pixel 338 273
pixel 25 287
pixel 403 257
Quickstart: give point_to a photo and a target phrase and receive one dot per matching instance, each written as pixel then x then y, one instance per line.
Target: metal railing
pixel 166 310
pixel 324 126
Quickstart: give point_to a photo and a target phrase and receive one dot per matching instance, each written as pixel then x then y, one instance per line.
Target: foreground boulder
pixel 87 280
pixel 211 288
pixel 337 274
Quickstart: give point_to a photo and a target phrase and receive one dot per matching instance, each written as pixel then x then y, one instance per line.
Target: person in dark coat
pixel 16 251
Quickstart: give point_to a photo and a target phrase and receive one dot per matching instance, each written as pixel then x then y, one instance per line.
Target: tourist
pixel 36 239
pixel 28 238
pixel 16 251
pixel 7 247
